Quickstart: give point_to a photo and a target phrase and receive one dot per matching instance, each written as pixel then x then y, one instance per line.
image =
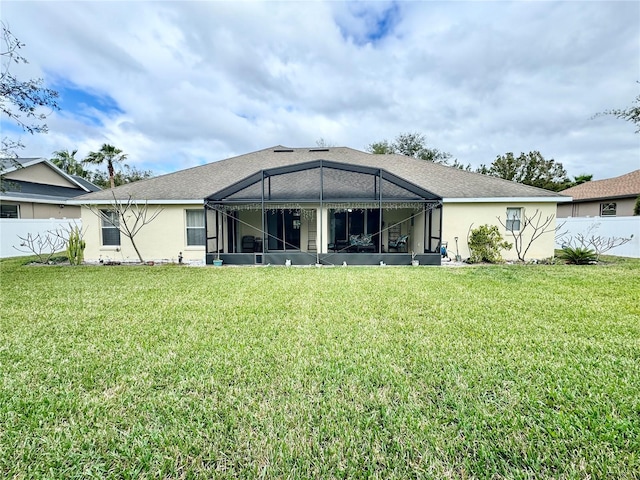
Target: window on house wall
pixel 513 218
pixel 608 209
pixel 9 211
pixel 110 227
pixel 196 234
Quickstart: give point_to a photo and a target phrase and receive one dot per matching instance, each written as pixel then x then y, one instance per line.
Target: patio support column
pixel 440 234
pixel 222 234
pixel 320 215
pixel 264 239
pixel 380 213
pixel 206 231
pixel 426 234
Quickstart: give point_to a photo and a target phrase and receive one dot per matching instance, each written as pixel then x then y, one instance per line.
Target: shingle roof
pixel 627 185
pixel 39 191
pixel 199 182
pixel 8 165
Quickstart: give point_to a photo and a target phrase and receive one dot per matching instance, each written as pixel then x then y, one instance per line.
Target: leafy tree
pixel 631 114
pixel 20 100
pixel 530 169
pixel 580 179
pixel 411 144
pixel 126 175
pixel 636 207
pixel 381 148
pixel 109 155
pixel 66 161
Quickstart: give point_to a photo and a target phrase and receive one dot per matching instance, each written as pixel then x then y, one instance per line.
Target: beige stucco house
pixel 313 205
pixel 612 197
pixel 34 188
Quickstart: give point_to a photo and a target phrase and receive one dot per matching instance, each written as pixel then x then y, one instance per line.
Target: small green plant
pixel 578 255
pixel 75 247
pixel 485 243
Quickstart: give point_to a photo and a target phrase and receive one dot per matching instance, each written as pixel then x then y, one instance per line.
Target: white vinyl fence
pixel 11 229
pixel 604 227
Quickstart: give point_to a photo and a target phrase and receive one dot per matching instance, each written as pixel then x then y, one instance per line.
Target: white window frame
pixel 514 219
pixel 194 227
pixel 107 223
pixel 608 209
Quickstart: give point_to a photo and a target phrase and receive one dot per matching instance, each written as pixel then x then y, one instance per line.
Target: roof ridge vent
pixel 282 150
pixel 318 149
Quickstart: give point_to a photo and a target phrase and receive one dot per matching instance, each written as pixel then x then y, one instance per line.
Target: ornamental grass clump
pixel 485 243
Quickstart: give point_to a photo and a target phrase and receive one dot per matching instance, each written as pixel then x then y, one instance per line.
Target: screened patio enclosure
pixel 323 212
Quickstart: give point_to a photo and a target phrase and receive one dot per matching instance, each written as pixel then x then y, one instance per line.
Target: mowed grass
pixel 357 372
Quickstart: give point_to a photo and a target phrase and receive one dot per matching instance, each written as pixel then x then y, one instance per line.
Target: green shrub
pixel 636 208
pixel 578 255
pixel 485 243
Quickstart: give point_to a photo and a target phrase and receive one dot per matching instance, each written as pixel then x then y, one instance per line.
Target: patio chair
pixel 398 243
pixel 248 243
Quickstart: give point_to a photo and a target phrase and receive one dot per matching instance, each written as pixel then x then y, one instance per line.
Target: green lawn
pixel 357 372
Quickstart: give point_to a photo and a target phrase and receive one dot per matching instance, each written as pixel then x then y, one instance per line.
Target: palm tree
pixel 107 154
pixel 66 161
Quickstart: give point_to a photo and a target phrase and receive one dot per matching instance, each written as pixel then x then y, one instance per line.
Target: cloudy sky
pixel 178 84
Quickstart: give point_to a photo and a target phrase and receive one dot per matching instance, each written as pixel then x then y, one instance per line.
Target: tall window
pixel 608 209
pixel 195 227
pixel 110 227
pixel 513 218
pixel 9 211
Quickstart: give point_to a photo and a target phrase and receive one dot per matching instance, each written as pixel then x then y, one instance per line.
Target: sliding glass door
pixel 283 227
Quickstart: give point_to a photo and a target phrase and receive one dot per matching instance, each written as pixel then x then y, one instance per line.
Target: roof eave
pixel 557 199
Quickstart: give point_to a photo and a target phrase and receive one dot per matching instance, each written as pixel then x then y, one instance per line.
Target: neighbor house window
pixel 110 227
pixel 195 227
pixel 9 211
pixel 608 209
pixel 513 218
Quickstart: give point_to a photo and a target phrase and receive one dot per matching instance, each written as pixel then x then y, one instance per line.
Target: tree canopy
pixel 630 114
pixel 412 144
pixel 66 161
pixel 21 101
pixel 109 155
pixel 530 169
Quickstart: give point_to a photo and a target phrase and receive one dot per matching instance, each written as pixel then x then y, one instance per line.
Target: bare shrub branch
pixel 598 243
pixel 533 223
pixel 131 216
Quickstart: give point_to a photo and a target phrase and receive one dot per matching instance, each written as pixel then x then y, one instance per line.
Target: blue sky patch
pixel 369 23
pixel 85 104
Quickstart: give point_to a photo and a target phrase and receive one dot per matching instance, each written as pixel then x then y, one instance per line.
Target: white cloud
pixel 201 81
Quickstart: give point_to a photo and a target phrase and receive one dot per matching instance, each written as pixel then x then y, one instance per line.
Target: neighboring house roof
pixel 92 187
pixel 25 190
pixel 39 191
pixel 627 185
pixel 194 184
